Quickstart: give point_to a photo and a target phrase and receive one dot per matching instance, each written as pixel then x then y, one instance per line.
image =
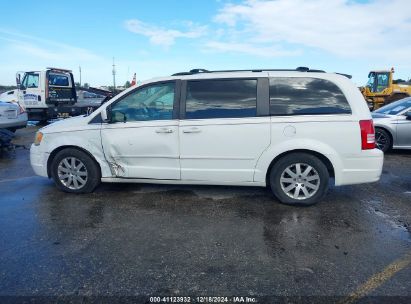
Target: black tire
pixel 383 140
pixel 42 122
pixel 304 160
pixel 92 170
pixel 12 130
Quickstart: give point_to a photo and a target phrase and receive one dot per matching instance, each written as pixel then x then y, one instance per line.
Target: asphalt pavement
pixel 139 241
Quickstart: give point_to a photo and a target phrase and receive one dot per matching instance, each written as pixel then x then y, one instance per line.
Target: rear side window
pixel 58 80
pixel 306 96
pixel 221 98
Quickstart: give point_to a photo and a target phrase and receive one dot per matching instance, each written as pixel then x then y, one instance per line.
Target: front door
pixel 141 140
pixel 31 93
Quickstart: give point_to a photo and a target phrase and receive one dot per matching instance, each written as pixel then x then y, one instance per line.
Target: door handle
pixel 164 130
pixel 192 130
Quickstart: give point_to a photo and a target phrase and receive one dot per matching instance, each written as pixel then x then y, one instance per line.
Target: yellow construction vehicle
pixel 382 89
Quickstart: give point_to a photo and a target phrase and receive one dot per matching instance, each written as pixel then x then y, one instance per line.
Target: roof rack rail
pixel 298 69
pixel 346 75
pixel 201 71
pixel 58 70
pixel 191 72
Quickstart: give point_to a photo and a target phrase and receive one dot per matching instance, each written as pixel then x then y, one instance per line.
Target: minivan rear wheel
pixel 75 171
pixel 299 179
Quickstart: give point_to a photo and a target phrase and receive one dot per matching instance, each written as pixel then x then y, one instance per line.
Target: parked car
pixel 12 116
pixel 289 129
pixel 393 125
pixel 9 96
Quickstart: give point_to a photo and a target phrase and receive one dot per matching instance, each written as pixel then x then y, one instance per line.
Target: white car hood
pixel 69 124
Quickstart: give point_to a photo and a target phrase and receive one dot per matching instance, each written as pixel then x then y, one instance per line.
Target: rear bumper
pixel 38 160
pixel 359 169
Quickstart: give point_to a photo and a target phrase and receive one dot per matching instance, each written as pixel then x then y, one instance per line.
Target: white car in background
pixel 12 116
pixel 9 96
pixel 288 129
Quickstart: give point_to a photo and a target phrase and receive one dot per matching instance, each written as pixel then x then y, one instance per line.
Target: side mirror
pixel 408 115
pixel 20 86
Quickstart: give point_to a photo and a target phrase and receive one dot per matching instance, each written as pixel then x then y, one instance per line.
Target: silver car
pixel 393 125
pixel 12 116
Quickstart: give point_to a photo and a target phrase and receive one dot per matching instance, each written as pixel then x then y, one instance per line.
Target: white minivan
pixel 291 130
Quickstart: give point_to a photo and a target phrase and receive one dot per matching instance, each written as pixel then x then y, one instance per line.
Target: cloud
pixel 344 28
pixel 162 36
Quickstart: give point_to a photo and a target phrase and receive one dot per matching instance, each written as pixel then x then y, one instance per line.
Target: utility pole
pixel 114 75
pixel 79 68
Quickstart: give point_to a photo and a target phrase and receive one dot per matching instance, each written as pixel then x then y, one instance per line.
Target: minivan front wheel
pixel 299 179
pixel 74 171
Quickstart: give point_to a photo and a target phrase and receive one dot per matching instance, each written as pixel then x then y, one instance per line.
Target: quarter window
pixel 153 102
pixel 221 98
pixel 306 96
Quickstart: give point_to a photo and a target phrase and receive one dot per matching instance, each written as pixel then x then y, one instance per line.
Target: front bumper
pixel 38 160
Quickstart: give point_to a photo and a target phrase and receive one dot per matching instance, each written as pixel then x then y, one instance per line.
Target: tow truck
pixel 51 94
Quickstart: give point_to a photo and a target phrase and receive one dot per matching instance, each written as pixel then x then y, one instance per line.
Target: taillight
pixel 367 134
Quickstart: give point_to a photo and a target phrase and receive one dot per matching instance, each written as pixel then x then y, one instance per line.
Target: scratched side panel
pixel 142 149
pixel 88 139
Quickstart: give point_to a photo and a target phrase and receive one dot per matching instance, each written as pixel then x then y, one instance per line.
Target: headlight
pixel 38 138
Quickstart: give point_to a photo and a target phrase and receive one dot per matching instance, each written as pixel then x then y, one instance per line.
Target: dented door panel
pixel 142 149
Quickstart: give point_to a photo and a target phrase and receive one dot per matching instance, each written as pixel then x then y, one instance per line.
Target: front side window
pixel 153 102
pixel 306 96
pixel 31 80
pixel 221 98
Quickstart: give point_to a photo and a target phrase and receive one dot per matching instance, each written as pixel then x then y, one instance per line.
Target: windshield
pixel 395 107
pixel 382 81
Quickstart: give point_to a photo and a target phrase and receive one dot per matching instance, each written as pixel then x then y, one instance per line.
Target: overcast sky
pixel 158 38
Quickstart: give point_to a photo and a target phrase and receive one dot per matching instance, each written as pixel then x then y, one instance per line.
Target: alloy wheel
pixel 381 141
pixel 300 181
pixel 72 173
